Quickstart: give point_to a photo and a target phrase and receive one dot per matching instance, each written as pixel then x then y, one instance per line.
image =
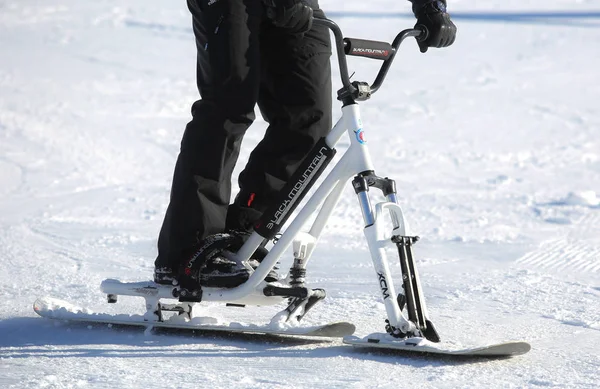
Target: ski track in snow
pixel 578 251
pixel 493 144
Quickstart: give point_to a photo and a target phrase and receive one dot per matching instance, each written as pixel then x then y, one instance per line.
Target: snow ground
pixel 494 144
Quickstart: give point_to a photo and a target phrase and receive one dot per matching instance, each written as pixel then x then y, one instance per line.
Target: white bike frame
pixel 356 159
pixel 355 162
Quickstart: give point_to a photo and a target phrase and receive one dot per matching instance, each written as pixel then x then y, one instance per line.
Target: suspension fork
pixel 412 297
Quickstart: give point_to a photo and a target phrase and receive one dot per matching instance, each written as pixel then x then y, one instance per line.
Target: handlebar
pixel 365 48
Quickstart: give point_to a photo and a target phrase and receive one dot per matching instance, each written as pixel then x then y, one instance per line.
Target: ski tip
pixel 336 330
pixel 36 305
pixel 46 305
pixel 41 303
pixel 339 329
pixel 519 347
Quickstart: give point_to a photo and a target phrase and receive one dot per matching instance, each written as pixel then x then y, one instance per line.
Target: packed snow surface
pixel 494 144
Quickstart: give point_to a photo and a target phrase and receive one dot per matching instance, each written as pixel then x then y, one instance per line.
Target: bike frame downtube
pixel 256 239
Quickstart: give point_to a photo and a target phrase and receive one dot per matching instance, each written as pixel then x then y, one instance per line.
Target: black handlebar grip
pixel 366 48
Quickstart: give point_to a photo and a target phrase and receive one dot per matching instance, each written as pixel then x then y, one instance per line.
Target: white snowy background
pixel 494 144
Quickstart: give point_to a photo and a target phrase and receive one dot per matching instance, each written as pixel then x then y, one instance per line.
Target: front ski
pixel 53 308
pixel 422 345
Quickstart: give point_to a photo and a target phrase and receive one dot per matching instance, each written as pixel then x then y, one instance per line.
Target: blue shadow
pixel 583 19
pixel 576 19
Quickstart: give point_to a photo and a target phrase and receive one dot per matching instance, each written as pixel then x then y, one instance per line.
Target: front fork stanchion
pixel 361 188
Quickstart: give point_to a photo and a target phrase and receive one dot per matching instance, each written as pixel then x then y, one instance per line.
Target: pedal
pixel 296 292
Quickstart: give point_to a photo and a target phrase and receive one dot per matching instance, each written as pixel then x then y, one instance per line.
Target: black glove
pixel 441 32
pixel 292 15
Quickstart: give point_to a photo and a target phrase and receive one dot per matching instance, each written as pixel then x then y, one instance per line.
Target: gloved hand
pixel 432 15
pixel 292 15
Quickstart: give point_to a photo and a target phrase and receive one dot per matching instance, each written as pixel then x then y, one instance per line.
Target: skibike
pixel 407 326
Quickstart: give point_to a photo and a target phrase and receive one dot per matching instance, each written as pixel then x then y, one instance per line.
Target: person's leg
pixel 295 99
pixel 228 77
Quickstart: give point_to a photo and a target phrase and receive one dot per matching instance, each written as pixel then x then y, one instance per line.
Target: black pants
pixel 244 60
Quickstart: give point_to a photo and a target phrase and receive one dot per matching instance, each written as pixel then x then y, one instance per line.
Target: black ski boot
pixel 165 276
pixel 220 272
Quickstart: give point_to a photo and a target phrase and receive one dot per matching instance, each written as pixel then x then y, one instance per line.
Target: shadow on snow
pixel 562 18
pixel 580 19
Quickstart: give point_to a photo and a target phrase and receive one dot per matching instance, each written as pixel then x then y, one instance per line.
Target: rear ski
pixel 53 308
